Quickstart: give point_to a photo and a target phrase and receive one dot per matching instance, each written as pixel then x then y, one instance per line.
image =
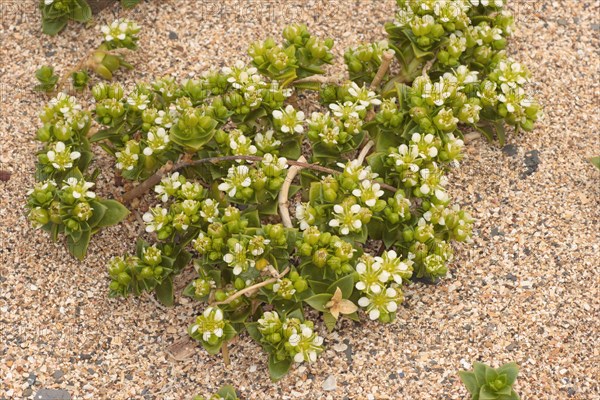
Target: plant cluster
pixel 57 13
pixel 226 392
pixel 467 35
pixel 221 153
pixel 487 383
pixel 121 35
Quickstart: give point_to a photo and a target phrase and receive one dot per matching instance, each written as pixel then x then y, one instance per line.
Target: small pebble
pixel 330 383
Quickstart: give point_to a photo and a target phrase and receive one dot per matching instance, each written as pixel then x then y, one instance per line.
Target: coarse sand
pixel 526 290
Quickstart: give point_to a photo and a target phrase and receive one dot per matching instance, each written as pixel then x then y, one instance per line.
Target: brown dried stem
pixel 252 289
pixel 365 151
pixel 319 79
pixel 284 211
pixel 386 61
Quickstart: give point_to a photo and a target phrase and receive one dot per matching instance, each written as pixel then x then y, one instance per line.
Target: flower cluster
pixel 299 56
pixel 121 33
pixel 379 280
pixel 364 60
pixel 454 34
pixel 292 338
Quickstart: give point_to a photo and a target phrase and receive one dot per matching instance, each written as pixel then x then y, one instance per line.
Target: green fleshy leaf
pixel 229 332
pixel 227 392
pixel 479 370
pixel 595 161
pixel 346 285
pixel 470 381
pixel 511 370
pixel 164 292
pixel 486 393
pixel 82 12
pixel 318 301
pixel 252 329
pixel 329 321
pixel 99 211
pixel 130 3
pixel 53 26
pixel 278 369
pixel 79 248
pixel 115 213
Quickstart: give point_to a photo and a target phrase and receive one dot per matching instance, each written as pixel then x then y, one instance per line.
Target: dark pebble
pixel 58 376
pixel 173 35
pixel 512 346
pixel 532 161
pixel 510 150
pixel 5 176
pixel 31 379
pixel 511 277
pixel 497 232
pixel 52 394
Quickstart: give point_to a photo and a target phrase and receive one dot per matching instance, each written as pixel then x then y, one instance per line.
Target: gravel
pixel 529 295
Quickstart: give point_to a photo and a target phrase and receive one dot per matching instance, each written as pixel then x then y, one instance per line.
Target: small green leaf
pixel 595 161
pixel 511 370
pixel 79 248
pixel 99 211
pixel 318 301
pixel 278 368
pixel 130 3
pixel 470 381
pixel 252 329
pixel 229 332
pixel 115 213
pixel 486 393
pixel 227 392
pixel 346 285
pixel 500 131
pixel 479 370
pixel 164 292
pixel 82 12
pixel 330 321
pixel 53 26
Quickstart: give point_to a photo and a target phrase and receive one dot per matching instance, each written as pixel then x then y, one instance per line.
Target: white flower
pixel 363 95
pixel 289 120
pixel 237 259
pixel 346 110
pixel 240 145
pixel 393 267
pixel 305 215
pixel 354 170
pixel 266 142
pixel 138 101
pixel 61 157
pixel 209 210
pixel 380 303
pixel 168 186
pixel 346 218
pixel 155 219
pixel 371 276
pixel 237 179
pixel 48 2
pixel 157 141
pixel 79 189
pixel 368 192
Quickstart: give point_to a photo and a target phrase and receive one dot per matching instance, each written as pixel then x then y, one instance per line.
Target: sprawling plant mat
pixel 525 291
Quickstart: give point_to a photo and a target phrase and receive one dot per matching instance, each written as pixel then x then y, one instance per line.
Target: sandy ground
pixel 526 290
